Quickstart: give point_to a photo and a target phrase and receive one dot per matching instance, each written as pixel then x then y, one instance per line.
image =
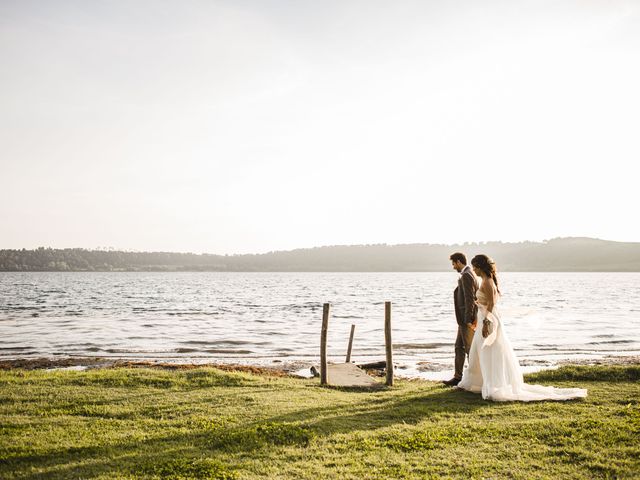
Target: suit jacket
pixel 464 298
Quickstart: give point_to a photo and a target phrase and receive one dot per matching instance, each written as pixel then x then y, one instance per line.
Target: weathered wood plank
pixel 323 344
pixel 349 375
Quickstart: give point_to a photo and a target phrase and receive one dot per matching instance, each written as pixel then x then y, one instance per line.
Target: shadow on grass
pixel 175 456
pixel 379 410
pixel 199 453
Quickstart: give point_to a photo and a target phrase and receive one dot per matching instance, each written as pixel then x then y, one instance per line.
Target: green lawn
pixel 206 423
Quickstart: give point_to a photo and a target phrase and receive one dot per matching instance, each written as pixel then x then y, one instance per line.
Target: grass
pixel 206 423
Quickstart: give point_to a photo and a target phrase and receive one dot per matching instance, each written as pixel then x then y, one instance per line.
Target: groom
pixel 464 299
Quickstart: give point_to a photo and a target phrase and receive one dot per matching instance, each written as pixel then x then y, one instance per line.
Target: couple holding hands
pixel 493 369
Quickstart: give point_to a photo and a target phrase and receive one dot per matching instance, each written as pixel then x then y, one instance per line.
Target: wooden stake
pixel 353 327
pixel 387 342
pixel 323 344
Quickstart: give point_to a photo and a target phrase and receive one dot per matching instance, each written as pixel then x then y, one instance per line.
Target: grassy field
pixel 206 423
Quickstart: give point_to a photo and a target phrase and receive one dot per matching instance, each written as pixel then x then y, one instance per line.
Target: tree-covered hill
pixel 562 254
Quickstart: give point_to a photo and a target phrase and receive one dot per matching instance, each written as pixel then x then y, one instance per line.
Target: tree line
pixel 562 254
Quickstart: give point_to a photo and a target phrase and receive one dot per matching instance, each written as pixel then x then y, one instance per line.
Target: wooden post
pixel 387 342
pixel 323 344
pixel 353 327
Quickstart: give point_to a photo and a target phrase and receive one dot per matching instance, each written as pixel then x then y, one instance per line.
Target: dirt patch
pixel 48 363
pixel 42 363
pixel 609 360
pixel 275 372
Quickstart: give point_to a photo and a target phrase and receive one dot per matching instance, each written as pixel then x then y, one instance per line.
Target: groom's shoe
pixel 452 383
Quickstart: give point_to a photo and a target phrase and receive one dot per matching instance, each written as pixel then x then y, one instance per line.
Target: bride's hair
pixel 488 266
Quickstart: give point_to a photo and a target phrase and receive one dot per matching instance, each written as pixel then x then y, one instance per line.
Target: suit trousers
pixel 463 345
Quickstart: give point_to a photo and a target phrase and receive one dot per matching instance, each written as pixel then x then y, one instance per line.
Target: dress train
pixel 494 370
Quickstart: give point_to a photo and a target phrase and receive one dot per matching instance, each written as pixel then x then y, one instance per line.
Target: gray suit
pixel 464 300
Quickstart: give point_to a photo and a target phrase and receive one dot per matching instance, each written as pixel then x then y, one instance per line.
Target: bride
pixel 493 368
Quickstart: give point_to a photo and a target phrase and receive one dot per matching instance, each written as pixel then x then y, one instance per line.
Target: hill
pixel 561 254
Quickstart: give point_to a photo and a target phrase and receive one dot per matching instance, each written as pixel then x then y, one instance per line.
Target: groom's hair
pixel 458 257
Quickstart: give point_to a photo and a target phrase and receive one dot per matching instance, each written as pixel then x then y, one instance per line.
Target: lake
pixel 274 318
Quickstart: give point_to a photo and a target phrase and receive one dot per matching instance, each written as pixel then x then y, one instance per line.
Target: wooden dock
pixel 349 375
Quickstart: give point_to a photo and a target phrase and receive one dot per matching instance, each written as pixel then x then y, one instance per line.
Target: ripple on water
pixel 421 346
pixel 229 351
pixel 252 315
pixel 610 342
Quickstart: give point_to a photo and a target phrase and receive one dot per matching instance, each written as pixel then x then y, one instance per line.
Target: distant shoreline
pixel 557 255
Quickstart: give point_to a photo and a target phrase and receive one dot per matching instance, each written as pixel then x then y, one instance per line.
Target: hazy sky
pixel 249 126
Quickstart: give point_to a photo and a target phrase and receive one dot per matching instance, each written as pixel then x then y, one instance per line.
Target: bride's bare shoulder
pixel 488 286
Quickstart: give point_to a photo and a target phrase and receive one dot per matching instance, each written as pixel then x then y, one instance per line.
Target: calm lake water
pixel 274 318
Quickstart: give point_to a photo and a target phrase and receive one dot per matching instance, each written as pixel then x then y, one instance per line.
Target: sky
pixel 252 126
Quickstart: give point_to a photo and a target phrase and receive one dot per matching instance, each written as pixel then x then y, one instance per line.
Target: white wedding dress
pixel 494 370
